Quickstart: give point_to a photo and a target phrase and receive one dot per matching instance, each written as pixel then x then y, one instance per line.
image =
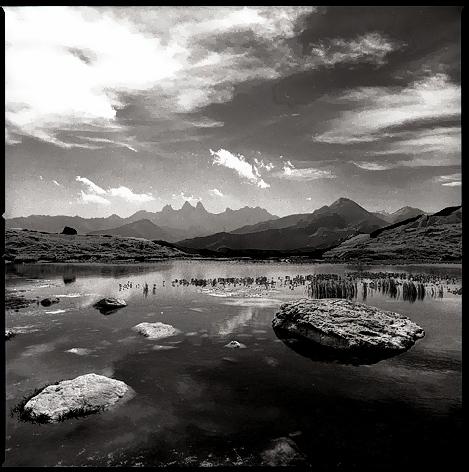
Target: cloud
pixel 129 195
pixel 309 173
pixel 176 59
pixel 238 163
pixel 121 192
pixel 92 187
pixel 207 123
pixel 107 141
pixel 373 165
pixel 215 192
pixel 375 109
pixel 371 47
pixel 453 180
pixel 92 198
pixel 186 198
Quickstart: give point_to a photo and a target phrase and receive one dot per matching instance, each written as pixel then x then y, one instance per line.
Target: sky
pixel 117 109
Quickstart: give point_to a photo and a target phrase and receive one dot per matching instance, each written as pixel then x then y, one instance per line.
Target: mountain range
pixel 324 228
pixel 247 229
pixel 168 224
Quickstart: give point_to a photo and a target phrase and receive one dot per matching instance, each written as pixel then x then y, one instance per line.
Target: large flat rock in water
pixel 81 396
pixel 349 328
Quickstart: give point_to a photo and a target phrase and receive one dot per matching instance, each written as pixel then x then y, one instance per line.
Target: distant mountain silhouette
pixel 324 228
pixel 402 214
pixel 187 222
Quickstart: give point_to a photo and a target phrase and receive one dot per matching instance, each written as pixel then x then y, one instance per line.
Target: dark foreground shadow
pixel 317 352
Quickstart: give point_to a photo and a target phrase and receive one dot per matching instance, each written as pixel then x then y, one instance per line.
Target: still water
pixel 200 403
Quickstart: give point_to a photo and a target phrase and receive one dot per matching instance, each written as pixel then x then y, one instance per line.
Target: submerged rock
pixel 156 330
pixel 49 301
pixel 109 305
pixel 81 396
pixel 351 329
pixel 282 452
pixel 79 351
pixel 235 345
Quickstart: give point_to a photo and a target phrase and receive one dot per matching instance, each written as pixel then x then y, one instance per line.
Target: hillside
pixel 431 238
pixel 33 246
pixel 322 229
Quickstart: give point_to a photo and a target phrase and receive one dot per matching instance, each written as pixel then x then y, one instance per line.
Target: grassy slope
pixel 429 238
pixel 33 246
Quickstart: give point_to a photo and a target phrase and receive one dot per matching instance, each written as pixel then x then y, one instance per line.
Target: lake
pixel 200 403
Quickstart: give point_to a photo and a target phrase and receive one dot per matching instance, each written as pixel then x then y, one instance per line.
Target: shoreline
pixel 250 260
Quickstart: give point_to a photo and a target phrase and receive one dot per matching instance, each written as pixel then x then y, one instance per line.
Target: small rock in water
pixel 156 330
pixel 81 396
pixel 79 351
pixel 49 301
pixel 235 345
pixel 159 347
pixel 282 452
pixel 109 305
pixel 9 333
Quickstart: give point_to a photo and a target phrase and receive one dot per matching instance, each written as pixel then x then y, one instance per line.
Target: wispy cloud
pixel 373 165
pixel 121 192
pixel 371 47
pixel 308 173
pixel 91 185
pixel 215 192
pixel 453 180
pixel 375 109
pixel 239 164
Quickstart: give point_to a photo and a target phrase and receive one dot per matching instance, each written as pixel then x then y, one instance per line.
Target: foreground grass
pixel 35 246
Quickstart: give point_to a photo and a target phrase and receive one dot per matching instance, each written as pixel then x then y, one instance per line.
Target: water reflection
pixel 69 279
pixel 319 353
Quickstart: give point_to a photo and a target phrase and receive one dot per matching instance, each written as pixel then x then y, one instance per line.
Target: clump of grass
pixel 25 414
pixel 81 412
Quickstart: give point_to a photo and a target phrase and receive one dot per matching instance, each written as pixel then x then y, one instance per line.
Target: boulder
pixel 81 396
pixel 282 452
pixel 109 305
pixel 156 330
pixel 49 301
pixel 68 230
pixel 348 329
pixel 235 345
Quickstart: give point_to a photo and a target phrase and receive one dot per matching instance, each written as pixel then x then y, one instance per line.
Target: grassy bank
pixel 35 246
